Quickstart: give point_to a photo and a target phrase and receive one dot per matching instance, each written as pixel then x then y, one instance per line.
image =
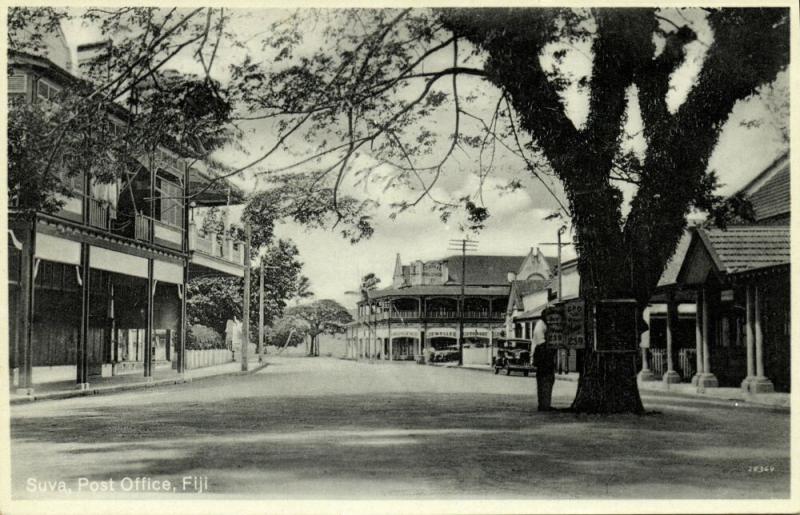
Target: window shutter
pixel 18 83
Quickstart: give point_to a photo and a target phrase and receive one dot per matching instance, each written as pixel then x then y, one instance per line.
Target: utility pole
pixel 246 306
pixel 260 346
pixel 561 231
pixel 560 297
pixel 464 245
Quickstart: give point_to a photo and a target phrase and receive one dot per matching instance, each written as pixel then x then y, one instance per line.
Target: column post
pixel 148 335
pixel 698 335
pixel 25 308
pixel 749 338
pixel 82 379
pixel 389 326
pixel 184 321
pixel 707 379
pixel 645 374
pixel 761 384
pixel 670 376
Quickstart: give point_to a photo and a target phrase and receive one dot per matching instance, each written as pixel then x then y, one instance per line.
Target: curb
pixel 105 390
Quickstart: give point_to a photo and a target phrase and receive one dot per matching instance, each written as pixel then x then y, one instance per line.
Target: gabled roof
pixel 748 247
pixel 735 250
pixel 769 191
pixel 772 198
pixel 483 270
pixel 520 288
pixel 670 274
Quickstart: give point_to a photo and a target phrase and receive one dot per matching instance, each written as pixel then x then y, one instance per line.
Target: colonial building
pixel 736 282
pixel 98 288
pixel 421 309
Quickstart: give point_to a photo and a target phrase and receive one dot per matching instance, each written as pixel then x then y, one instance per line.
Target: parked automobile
pixel 444 354
pixel 512 354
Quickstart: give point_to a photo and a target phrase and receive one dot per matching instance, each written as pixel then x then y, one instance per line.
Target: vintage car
pixel 512 354
pixel 444 354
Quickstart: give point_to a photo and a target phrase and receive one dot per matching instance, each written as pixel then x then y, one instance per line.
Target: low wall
pixel 207 358
pixel 477 356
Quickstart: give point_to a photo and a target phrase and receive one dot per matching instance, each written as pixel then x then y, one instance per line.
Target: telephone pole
pixel 463 245
pixel 561 231
pixel 246 306
pixel 260 346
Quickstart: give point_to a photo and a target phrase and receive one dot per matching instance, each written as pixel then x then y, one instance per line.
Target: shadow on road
pixel 408 445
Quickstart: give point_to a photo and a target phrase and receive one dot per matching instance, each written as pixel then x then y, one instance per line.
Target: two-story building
pixel 421 309
pixel 99 287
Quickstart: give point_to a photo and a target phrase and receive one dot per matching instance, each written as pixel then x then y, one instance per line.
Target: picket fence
pixel 207 358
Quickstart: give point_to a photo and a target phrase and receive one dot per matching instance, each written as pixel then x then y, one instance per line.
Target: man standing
pixel 544 361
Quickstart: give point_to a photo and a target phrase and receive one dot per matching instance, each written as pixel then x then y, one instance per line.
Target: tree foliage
pixel 379 81
pixel 53 141
pixel 321 316
pixel 214 300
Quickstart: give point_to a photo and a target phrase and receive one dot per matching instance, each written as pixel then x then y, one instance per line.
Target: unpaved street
pixel 328 428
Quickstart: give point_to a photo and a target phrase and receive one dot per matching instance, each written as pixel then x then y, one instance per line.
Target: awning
pixel 60 250
pixel 167 272
pixel 117 262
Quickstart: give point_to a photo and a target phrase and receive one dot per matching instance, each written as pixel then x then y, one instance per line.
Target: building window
pixel 73 183
pixel 171 203
pixel 47 91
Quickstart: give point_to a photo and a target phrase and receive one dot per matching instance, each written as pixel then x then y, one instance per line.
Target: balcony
pixel 162 233
pixel 215 251
pixel 101 213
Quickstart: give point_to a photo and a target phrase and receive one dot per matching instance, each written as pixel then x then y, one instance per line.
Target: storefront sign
pixel 616 325
pixel 476 332
pixel 405 333
pixel 441 333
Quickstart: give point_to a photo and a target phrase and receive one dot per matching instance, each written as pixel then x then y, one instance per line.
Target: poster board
pixel 575 323
pixel 616 325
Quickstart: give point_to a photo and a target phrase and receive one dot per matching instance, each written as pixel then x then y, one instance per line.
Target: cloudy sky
pixel 517 219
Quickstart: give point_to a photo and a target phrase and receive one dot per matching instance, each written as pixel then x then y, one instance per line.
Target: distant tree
pixel 288 331
pixel 322 316
pixel 213 301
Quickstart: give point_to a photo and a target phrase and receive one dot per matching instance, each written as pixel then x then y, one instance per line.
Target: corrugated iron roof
pixel 440 289
pixel 483 270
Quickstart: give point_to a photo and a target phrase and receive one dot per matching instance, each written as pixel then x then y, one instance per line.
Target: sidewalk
pixel 104 385
pixel 776 400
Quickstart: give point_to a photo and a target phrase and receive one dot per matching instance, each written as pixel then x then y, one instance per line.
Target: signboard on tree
pixel 575 322
pixel 554 320
pixel 616 325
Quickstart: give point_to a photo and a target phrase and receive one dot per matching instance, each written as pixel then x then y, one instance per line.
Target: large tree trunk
pixel 607 383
